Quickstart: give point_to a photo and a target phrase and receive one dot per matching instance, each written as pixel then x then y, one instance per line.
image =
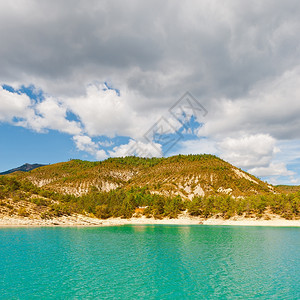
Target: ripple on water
pixel 156 262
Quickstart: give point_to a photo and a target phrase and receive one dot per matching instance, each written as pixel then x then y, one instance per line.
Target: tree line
pixel 127 203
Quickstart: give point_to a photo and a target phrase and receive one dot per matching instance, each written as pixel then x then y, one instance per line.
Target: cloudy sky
pixel 94 79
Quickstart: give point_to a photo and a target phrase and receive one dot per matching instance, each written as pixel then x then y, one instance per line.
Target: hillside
pixel 197 185
pixel 186 176
pixel 288 189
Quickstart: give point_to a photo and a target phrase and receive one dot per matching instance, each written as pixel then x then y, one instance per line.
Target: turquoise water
pixel 150 262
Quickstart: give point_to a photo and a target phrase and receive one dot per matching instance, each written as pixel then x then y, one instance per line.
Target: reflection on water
pixel 156 261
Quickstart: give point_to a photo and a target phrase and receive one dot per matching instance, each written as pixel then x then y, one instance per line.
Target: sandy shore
pixel 80 220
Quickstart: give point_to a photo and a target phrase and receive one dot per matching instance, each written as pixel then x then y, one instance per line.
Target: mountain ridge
pixel 24 168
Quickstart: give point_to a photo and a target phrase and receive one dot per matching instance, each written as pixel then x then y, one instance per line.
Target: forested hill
pixel 199 185
pixel 183 175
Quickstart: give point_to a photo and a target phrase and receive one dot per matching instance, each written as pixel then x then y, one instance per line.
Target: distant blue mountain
pixel 24 168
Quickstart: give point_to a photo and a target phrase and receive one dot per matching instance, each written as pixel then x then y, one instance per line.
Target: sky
pixel 98 79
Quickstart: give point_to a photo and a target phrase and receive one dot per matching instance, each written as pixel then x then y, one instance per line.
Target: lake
pixel 150 262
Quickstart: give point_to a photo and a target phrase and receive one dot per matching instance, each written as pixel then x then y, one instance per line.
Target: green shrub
pixel 22 212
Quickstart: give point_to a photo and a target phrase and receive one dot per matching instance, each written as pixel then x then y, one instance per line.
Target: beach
pixel 81 220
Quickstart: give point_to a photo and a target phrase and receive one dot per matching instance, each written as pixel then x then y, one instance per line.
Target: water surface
pixel 150 262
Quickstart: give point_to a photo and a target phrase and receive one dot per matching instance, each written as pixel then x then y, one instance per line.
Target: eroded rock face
pixel 108 186
pixel 41 182
pixel 198 191
pixel 225 191
pixel 123 175
pixel 241 174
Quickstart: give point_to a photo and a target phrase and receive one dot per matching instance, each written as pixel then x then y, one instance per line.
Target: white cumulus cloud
pixel 249 151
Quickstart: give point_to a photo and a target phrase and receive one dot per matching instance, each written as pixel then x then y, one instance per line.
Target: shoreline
pixel 84 221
